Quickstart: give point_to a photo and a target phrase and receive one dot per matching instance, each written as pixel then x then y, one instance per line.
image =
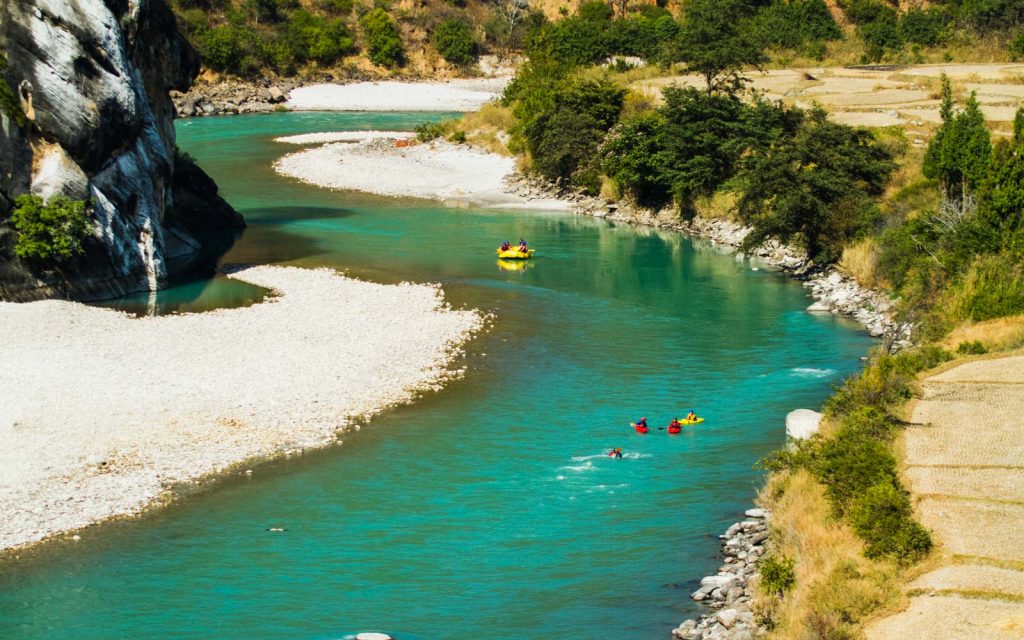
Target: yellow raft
pixel 515 254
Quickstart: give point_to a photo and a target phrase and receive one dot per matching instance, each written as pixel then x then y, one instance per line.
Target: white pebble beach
pixel 438 170
pixel 102 412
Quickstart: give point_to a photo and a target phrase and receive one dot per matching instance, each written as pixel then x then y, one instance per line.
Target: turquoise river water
pixel 488 510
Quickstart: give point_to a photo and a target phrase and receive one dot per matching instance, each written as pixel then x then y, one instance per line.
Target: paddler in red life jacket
pixel 505 246
pixel 522 245
pixel 615 453
pixel 675 424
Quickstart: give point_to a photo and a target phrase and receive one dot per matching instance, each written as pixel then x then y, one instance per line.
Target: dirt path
pixel 965 466
pixel 885 95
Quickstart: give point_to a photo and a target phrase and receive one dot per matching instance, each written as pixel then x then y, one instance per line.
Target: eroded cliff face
pixel 92 78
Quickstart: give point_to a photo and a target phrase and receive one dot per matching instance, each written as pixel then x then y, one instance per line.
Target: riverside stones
pixel 728 593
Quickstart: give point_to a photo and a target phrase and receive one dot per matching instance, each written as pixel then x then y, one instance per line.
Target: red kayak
pixel 640 428
pixel 672 429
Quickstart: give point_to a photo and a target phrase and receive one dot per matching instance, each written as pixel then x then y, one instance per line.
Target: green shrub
pixel 922 26
pixel 883 518
pixel 430 131
pixel 311 37
pixel 455 41
pixel 339 7
pixel 778 575
pixel 972 348
pixel 458 137
pixel 1017 48
pixel 563 139
pixel 382 38
pixel 49 231
pixel 851 462
pixel 222 48
pixel 992 287
pixel 796 24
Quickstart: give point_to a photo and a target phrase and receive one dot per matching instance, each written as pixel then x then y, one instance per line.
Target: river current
pixel 488 510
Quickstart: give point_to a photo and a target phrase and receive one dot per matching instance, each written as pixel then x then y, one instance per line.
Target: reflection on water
pixel 514 265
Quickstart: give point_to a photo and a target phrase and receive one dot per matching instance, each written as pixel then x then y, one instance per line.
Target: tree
pixel 51 230
pixel 454 40
pixel 716 41
pixel 818 185
pixel 959 153
pixel 563 138
pixel 382 38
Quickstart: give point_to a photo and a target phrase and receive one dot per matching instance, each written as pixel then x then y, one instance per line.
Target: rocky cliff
pixel 88 115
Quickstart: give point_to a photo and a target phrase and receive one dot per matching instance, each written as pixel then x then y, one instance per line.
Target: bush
pixel 430 131
pixel 796 24
pixel 458 137
pixel 564 138
pixel 222 48
pixel 882 517
pixel 1017 48
pixel 973 348
pixel 49 231
pixel 454 40
pixel 382 38
pixel 851 462
pixel 317 38
pixel 992 287
pixel 777 574
pixel 922 26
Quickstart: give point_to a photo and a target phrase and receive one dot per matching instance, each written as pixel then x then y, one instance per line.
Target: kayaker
pixel 675 423
pixel 615 453
pixel 642 422
pixel 690 417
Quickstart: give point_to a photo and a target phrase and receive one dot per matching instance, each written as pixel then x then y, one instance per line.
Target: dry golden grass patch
pixel 486 128
pixel 720 206
pixel 997 335
pixel 836 589
pixel 860 261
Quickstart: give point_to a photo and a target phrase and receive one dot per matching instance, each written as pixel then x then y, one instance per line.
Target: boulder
pixel 727 617
pixel 802 424
pixel 756 513
pixel 276 95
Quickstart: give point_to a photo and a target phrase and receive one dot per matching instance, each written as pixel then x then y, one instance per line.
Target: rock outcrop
pixel 92 78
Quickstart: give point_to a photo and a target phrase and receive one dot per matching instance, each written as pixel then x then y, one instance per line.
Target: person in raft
pixel 691 416
pixel 615 453
pixel 675 423
pixel 505 246
pixel 522 245
pixel 642 422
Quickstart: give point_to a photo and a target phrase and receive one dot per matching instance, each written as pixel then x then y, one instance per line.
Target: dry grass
pixel 837 589
pixel 1001 334
pixel 860 261
pixel 720 206
pixel 486 128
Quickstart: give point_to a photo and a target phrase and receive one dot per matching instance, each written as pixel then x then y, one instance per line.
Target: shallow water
pixel 488 510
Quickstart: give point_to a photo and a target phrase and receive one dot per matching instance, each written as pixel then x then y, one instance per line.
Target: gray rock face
pixel 92 78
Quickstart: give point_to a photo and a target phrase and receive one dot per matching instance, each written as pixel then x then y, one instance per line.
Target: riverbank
pixel 104 413
pixel 729 593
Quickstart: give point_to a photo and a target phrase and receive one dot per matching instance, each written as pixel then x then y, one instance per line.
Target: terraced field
pixel 965 465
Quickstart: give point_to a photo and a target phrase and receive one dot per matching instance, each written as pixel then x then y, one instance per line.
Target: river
pixel 488 510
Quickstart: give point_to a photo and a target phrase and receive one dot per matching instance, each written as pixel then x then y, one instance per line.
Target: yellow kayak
pixel 515 254
pixel 694 421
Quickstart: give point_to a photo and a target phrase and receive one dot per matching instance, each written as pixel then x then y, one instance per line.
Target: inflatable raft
pixel 515 254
